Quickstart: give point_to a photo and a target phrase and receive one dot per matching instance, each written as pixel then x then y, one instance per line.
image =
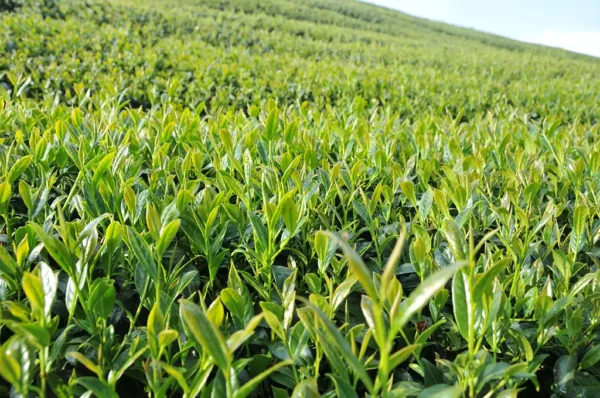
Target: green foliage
pixel 313 198
pixel 10 5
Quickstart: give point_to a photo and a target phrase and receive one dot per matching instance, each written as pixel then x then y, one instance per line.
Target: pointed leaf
pixel 421 295
pixel 206 334
pixel 18 168
pixel 357 265
pixel 142 252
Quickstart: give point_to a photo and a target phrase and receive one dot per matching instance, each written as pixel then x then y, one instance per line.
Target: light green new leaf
pixel 18 168
pixel 259 230
pixel 155 325
pixel 215 312
pixel 235 303
pixel 91 227
pixel 9 368
pixel 25 192
pixel 578 233
pixel 206 334
pixel 441 391
pixel 103 167
pixel 102 297
pixel 461 303
pixel 289 212
pixel 177 374
pixel 306 389
pixel 343 347
pixel 238 338
pixel 142 252
pixel 166 236
pixel 421 295
pixel 153 220
pixel 485 283
pixel 357 265
pixel 402 355
pixel 271 125
pixel 425 204
pixel 113 236
pixel 408 188
pixel 59 252
pixel 5 193
pixel 8 266
pixel 85 361
pixel 389 272
pixel 456 239
pixel 32 286
pixel 167 337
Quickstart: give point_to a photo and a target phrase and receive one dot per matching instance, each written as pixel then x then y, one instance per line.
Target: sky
pixel 570 24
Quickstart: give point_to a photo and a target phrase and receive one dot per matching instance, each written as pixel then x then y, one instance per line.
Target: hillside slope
pixel 292 198
pixel 234 52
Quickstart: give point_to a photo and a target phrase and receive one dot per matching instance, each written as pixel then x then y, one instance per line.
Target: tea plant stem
pixel 141 305
pixel 8 229
pixel 42 358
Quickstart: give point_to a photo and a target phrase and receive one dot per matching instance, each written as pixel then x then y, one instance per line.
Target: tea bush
pixel 234 198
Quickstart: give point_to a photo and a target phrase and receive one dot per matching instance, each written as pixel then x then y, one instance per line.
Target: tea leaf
pixel 204 332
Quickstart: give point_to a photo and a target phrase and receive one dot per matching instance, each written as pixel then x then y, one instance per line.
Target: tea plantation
pixel 292 198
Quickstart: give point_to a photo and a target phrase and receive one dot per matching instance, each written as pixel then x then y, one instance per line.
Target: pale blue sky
pixel 570 24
